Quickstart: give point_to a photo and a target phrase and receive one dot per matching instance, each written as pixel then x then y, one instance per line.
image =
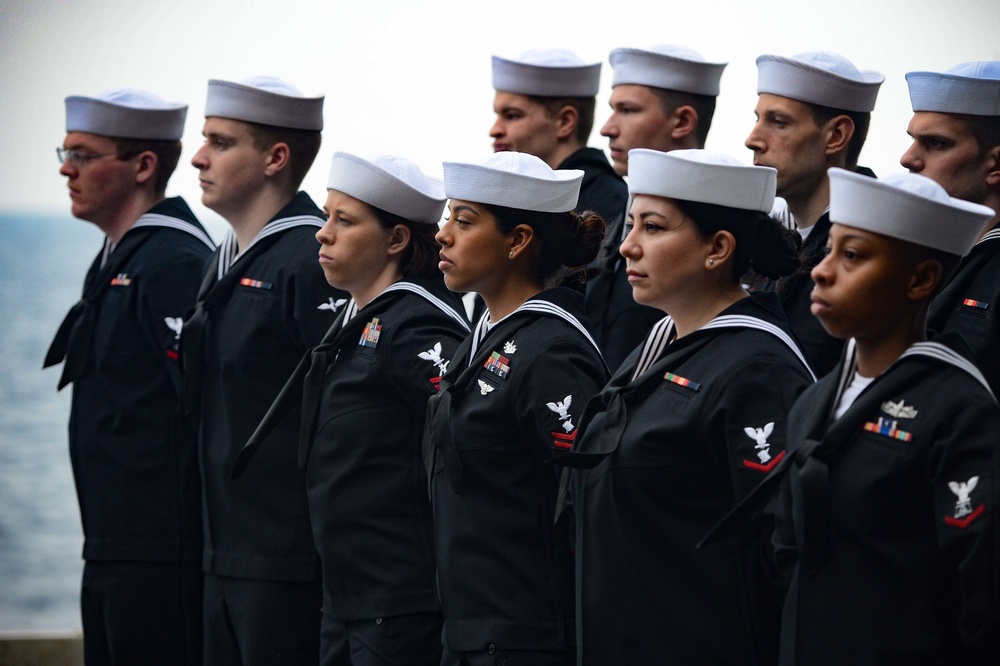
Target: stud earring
pixel 511 255
pixel 711 262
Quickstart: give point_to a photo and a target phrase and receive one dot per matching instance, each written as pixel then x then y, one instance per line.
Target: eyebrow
pixel 218 135
pixel 462 207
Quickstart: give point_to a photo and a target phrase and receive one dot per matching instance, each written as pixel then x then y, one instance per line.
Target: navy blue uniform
pixel 257 315
pixel 134 456
pixel 512 396
pixel 664 454
pixel 602 190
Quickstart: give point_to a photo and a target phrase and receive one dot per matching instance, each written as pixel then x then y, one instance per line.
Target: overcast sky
pixel 413 78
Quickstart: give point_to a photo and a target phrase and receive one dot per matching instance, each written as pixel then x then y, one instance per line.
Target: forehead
pixel 508 100
pixel 932 122
pixel 234 129
pixel 651 203
pixel 337 200
pixel 88 142
pixel 768 103
pixel 629 93
pixel 843 232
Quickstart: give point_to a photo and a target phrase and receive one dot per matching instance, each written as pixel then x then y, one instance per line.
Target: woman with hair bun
pixel 511 399
pixel 364 399
pixel 688 426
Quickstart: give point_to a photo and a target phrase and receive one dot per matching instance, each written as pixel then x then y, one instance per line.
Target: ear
pixel 146 163
pixel 721 246
pixel 520 238
pixel 278 158
pixel 838 133
pixel 566 121
pixel 924 279
pixel 685 122
pixel 399 239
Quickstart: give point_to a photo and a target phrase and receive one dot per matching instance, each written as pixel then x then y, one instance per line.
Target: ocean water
pixel 42 264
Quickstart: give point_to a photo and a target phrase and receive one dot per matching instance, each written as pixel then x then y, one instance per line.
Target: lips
pixel 500 147
pixel 635 276
pixel 819 306
pixel 445 262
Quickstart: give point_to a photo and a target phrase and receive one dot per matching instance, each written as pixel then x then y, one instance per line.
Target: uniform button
pixel 492 648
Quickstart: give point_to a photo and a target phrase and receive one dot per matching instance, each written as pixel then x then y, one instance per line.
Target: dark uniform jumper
pixel 257 315
pixel 892 509
pixel 512 397
pixel 602 190
pixel 968 306
pixel 134 457
pixel 663 456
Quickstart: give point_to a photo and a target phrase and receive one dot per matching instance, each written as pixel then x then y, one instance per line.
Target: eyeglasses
pixel 77 157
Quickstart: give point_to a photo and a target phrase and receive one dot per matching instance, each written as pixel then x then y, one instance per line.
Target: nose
pixel 199 161
pixel 610 129
pixel 630 247
pixel 497 130
pixel 911 160
pixel 68 169
pixel 325 234
pixel 754 142
pixel 822 273
pixel 443 236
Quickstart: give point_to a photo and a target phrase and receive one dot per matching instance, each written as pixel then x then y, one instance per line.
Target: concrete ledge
pixel 41 648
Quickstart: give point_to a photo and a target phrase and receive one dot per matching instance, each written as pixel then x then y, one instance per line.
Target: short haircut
pixel 704 106
pixel 584 109
pixel 984 129
pixel 168 153
pixel 420 259
pixel 861 119
pixel 304 145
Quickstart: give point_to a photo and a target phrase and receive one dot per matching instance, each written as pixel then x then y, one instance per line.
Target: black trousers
pixel 401 640
pixel 141 613
pixel 261 622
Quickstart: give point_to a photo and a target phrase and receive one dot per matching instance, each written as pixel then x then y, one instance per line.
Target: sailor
pixel 134 458
pixel 263 303
pixel 956 142
pixel 813 113
pixel 890 500
pixel 365 394
pixel 544 103
pixel 512 396
pixel 662 98
pixel 691 422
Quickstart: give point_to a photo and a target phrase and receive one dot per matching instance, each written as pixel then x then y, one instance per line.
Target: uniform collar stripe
pixel 760 324
pixel 158 220
pixel 656 341
pixel 993 234
pixel 544 307
pixel 228 254
pixel 430 298
pixel 942 353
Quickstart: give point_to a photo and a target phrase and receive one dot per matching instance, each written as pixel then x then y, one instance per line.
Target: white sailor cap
pixel 265 100
pixel 909 207
pixel 819 77
pixel 393 184
pixel 972 88
pixel 515 180
pixel 547 73
pixel 701 175
pixel 127 114
pixel 667 66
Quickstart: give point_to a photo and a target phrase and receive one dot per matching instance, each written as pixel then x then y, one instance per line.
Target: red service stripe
pixel 567 438
pixel 965 522
pixel 764 468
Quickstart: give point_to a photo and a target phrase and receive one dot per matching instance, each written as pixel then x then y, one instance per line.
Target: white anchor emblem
pixel 963 506
pixel 562 409
pixel 434 356
pixel 175 324
pixel 509 347
pixel 332 305
pixel 760 436
pixel 485 388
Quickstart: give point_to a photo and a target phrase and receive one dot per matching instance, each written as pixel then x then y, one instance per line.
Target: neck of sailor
pixel 257 211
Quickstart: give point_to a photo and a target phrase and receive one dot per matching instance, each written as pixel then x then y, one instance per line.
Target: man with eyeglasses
pixel 134 459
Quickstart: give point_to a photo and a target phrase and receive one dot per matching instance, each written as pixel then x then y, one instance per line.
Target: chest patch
pixel 888 428
pixel 498 365
pixel 256 284
pixel 369 336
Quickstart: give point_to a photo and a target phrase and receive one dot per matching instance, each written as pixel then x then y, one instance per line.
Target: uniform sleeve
pixel 168 290
pixel 421 350
pixel 965 460
pixel 555 386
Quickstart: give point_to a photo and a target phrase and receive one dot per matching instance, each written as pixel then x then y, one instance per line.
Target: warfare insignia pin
pixel 485 388
pixel 899 410
pixel 369 336
pixel 332 305
pixel 509 347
